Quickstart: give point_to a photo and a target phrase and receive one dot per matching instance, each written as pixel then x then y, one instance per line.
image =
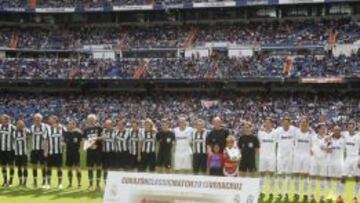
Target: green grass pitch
pixel 16 194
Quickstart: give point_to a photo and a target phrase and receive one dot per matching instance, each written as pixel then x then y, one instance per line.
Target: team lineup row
pixel 301 153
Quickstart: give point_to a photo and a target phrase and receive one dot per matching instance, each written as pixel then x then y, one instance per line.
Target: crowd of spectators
pixel 277 33
pixel 13 3
pixel 90 3
pixel 179 68
pixel 232 108
pixel 174 36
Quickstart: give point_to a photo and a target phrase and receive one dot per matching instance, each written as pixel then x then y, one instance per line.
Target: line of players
pixel 308 155
pixel 302 154
pixel 118 148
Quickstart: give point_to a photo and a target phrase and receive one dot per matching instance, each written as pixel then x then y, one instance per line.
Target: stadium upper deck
pixel 262 41
pixel 290 33
pixel 120 5
pixel 263 66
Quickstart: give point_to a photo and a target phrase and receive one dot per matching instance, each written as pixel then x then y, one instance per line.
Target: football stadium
pixel 179 101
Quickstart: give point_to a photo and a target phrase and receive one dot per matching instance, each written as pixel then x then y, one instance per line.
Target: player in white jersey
pixel 319 159
pixel 301 163
pixel 183 152
pixel 267 162
pixel 285 135
pixel 352 146
pixel 336 160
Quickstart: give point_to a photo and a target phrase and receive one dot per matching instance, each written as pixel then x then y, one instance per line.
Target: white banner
pixel 133 8
pixel 300 1
pixel 214 4
pixel 55 10
pixel 128 187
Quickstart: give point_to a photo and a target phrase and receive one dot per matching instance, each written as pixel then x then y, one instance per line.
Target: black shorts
pixel 93 158
pixel 121 160
pixel 108 159
pixel 148 160
pixel 72 159
pixel 7 158
pixel 21 160
pixel 199 163
pixel 133 161
pixel 216 172
pixel 37 157
pixel 164 159
pixel 54 160
pixel 247 165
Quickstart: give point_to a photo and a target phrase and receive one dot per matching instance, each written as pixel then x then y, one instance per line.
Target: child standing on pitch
pixel 216 162
pixel 232 157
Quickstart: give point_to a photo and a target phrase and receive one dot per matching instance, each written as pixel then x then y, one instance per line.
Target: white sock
pixel 313 186
pixel 305 186
pixel 339 187
pixel 357 188
pixel 272 183
pixel 280 183
pixel 322 188
pixel 329 184
pixel 288 184
pixel 297 184
pixel 262 183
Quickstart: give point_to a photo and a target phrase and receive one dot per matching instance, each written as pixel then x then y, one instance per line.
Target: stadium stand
pixel 265 66
pixel 233 109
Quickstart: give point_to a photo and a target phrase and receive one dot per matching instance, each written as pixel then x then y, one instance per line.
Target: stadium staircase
pixel 141 70
pixel 213 66
pixel 190 40
pixel 122 45
pixel 14 40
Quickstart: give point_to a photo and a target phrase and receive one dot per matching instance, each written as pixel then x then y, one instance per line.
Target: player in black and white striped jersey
pixel 7 154
pixel 38 132
pixel 55 144
pixel 135 135
pixel 108 147
pixel 121 145
pixel 148 147
pixel 21 150
pixel 93 147
pixel 199 149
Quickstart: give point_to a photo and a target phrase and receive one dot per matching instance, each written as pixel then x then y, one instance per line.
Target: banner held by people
pixel 146 187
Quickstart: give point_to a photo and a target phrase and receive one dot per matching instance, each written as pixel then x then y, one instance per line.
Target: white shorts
pixel 182 162
pixel 335 171
pixel 318 167
pixel 284 164
pixel 350 168
pixel 267 164
pixel 301 164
